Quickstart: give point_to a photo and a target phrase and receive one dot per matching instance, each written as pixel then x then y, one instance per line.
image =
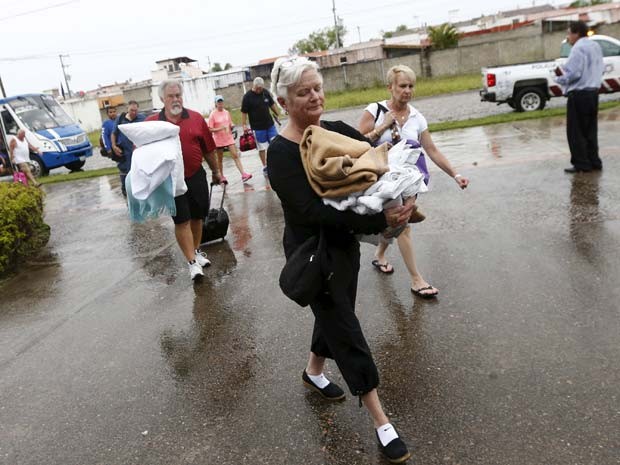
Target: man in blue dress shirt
pixel 581 76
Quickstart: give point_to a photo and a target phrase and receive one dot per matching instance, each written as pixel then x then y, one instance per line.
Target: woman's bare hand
pixel 388 119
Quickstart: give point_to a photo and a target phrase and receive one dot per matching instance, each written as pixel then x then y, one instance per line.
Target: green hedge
pixel 22 230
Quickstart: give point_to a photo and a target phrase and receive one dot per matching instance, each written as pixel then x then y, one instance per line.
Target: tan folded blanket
pixel 337 165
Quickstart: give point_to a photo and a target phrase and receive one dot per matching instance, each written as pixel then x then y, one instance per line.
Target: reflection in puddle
pixel 585 218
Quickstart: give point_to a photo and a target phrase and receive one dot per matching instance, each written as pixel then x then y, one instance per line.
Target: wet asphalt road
pixel 109 355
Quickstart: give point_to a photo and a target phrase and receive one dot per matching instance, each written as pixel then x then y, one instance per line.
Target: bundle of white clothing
pixel 402 181
pixel 156 174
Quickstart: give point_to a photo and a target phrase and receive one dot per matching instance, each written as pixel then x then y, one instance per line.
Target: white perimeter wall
pixel 198 95
pixel 84 112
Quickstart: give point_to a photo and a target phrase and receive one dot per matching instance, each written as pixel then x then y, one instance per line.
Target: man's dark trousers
pixel 582 129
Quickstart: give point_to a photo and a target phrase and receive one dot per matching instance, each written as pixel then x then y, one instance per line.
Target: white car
pixel 527 87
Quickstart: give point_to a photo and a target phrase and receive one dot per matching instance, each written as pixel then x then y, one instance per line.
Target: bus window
pixel 40 112
pixel 9 123
pixel 56 110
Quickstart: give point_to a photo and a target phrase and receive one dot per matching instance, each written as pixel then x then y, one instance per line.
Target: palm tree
pixel 443 36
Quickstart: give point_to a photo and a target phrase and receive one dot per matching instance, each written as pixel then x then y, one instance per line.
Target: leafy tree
pixel 227 66
pixel 216 67
pixel 390 34
pixel 580 3
pixel 443 36
pixel 323 39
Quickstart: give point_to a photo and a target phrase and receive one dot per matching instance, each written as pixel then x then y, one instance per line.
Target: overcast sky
pixel 114 40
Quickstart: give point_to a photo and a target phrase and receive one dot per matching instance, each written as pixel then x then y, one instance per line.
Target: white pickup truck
pixel 527 87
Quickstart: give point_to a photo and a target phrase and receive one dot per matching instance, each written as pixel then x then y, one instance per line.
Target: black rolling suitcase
pixel 216 223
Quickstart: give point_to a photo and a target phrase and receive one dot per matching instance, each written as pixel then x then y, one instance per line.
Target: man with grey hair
pixel 196 144
pixel 256 104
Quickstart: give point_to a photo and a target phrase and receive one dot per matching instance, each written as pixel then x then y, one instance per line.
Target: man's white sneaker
pixel 195 271
pixel 201 258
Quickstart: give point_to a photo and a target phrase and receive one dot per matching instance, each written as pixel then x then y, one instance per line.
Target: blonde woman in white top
pixel 19 150
pixel 390 121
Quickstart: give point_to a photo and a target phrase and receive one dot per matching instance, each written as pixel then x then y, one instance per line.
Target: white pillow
pixel 145 132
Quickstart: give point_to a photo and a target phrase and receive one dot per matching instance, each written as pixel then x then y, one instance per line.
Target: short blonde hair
pixel 394 70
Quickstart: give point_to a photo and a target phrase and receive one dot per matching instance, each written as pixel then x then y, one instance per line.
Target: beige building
pixel 176 68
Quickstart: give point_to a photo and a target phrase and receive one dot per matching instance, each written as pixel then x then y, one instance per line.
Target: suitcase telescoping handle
pixel 223 193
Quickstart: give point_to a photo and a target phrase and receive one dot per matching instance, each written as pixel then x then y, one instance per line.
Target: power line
pixel 139 47
pixel 38 10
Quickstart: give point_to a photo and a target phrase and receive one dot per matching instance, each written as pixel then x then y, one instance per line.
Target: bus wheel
pixel 75 165
pixel 38 168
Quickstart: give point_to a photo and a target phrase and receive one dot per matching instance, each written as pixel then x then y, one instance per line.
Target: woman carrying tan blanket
pixel 338 165
pixel 337 334
pixel 389 121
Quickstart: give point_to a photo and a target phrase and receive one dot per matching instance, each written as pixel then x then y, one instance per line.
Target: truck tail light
pixel 491 80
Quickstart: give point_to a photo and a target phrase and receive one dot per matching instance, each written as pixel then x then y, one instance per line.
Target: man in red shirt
pixel 196 144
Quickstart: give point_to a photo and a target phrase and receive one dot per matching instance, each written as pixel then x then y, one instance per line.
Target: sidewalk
pixel 109 355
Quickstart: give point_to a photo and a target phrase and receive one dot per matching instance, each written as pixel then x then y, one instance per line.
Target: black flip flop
pixel 381 267
pixel 418 292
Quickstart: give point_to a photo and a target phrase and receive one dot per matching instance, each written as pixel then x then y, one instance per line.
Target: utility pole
pixel 2 88
pixel 67 78
pixel 336 24
pixel 359 35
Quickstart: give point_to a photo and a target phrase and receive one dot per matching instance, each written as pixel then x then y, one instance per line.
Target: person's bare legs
pixel 405 244
pixel 220 160
pixel 24 168
pixel 184 235
pixel 235 156
pixel 263 157
pixel 196 229
pixel 380 256
pixel 372 403
pixel 315 365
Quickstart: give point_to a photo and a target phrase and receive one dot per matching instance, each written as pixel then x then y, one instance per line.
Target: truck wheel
pixel 511 104
pixel 37 166
pixel 75 165
pixel 530 99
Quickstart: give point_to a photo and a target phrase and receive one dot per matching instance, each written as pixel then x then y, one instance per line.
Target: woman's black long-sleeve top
pixel 304 210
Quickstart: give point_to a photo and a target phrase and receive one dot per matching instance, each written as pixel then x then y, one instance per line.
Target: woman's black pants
pixel 338 335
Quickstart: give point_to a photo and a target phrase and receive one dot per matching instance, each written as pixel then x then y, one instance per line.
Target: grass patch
pixel 93 137
pixel 78 175
pixel 508 118
pixel 423 88
pixel 236 117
